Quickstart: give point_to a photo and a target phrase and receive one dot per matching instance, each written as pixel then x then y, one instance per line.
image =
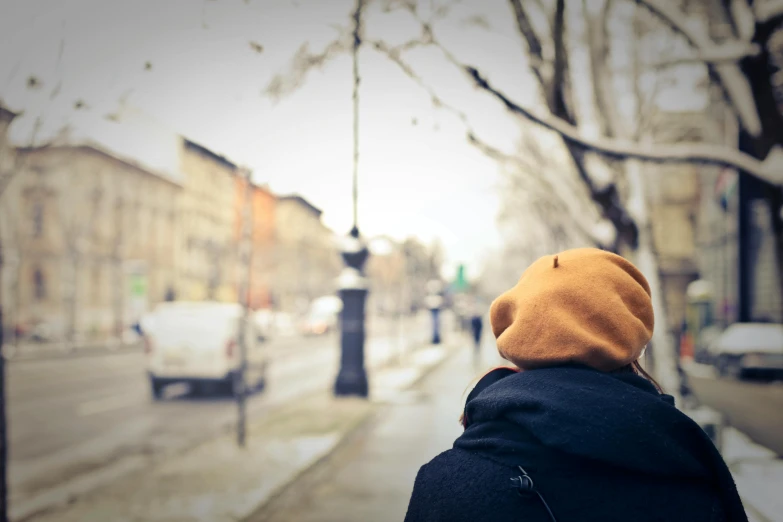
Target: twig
pixel 733 82
pixel 687 153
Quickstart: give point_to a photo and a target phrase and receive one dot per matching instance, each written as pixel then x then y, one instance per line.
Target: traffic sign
pixel 461 283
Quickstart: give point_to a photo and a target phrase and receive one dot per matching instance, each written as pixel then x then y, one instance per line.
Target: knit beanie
pixel 584 306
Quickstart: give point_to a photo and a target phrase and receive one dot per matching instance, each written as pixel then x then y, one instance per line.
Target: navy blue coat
pixel 598 447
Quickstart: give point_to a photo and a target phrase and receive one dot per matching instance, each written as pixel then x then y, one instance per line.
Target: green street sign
pixel 138 285
pixel 461 284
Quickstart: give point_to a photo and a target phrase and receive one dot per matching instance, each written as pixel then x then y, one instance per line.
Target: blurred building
pixel 307 260
pixel 673 196
pixel 262 273
pixel 740 211
pixel 695 212
pixel 422 264
pixel 6 117
pixel 208 246
pixel 390 287
pixel 117 213
pixel 90 235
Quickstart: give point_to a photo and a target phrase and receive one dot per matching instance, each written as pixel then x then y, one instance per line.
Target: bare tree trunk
pixel 244 277
pixel 665 364
pixel 776 210
pixel 3 426
pixel 71 304
pixel 118 297
pixel 118 294
pixel 665 367
pixel 16 291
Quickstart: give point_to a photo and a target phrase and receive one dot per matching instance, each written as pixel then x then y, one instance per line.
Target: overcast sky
pixel 418 174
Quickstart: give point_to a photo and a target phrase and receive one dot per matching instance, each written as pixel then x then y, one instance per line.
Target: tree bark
pixel 665 367
pixel 3 425
pixel 622 149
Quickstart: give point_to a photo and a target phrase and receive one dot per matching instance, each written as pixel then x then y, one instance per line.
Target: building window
pixel 38 219
pixel 39 285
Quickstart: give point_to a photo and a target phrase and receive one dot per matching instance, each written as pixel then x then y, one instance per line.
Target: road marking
pixel 114 402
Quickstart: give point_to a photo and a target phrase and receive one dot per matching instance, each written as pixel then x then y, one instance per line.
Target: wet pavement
pixel 371 475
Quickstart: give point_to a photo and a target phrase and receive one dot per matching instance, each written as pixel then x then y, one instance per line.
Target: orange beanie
pixel 584 306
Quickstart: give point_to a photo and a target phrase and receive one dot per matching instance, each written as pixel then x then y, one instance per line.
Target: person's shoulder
pixel 460 485
pixel 452 457
pixel 460 467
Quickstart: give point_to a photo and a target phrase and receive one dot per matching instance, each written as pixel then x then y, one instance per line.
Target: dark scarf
pixel 618 420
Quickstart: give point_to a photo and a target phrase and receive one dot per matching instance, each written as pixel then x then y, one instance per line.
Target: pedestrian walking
pixel 476 325
pixel 577 430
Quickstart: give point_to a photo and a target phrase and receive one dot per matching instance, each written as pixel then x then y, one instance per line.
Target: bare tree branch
pixel 304 61
pixel 598 45
pixel 394 54
pixel 725 53
pixel 490 151
pixel 687 153
pixel 734 83
pixel 768 10
pixel 604 196
pixel 477 21
pixel 558 89
pixel 526 28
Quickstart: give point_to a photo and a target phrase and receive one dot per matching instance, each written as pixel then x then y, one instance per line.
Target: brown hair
pixel 462 419
pixel 636 367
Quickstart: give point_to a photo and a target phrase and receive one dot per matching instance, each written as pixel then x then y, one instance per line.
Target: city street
pixel 70 417
pixel 752 407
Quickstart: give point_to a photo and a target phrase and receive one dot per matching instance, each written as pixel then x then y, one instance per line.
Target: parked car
pixel 196 343
pixel 322 316
pixel 749 349
pixel 275 325
pixel 319 323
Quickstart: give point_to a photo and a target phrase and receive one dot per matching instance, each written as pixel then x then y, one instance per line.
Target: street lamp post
pixel 434 302
pixel 352 377
pixel 245 270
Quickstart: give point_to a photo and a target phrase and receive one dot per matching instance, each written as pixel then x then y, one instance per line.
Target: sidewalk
pixel 758 473
pixel 371 476
pixel 217 481
pixel 28 351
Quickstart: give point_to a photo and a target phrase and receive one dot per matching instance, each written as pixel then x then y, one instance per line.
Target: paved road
pixel 754 408
pixel 69 417
pixel 371 475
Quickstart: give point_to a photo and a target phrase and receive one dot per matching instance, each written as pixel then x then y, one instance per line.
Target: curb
pixel 344 438
pixel 53 355
pixel 754 515
pixel 362 423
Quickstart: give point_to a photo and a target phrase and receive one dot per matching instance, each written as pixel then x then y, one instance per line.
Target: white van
pixel 196 343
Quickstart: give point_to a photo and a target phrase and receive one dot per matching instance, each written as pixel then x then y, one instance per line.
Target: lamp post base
pixel 352 378
pixel 435 326
pixel 352 384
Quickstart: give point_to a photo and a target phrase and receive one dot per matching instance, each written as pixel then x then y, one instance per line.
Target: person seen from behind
pixel 576 431
pixel 476 326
